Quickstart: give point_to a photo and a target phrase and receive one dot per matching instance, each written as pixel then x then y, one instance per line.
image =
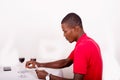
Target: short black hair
pixel 72 19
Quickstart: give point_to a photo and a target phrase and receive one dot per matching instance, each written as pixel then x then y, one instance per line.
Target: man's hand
pixel 30 64
pixel 41 74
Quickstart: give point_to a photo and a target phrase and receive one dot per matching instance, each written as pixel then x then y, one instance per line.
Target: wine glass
pixel 21 60
pixel 33 59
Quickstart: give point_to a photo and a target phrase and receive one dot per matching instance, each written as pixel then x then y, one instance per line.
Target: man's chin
pixel 70 41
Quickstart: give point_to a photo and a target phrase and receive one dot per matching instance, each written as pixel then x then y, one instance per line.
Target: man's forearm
pixel 53 77
pixel 76 77
pixel 56 64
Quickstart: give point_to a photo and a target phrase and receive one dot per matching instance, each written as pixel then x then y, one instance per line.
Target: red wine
pixel 33 59
pixel 21 59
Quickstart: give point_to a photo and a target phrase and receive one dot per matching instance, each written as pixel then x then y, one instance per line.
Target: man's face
pixel 68 32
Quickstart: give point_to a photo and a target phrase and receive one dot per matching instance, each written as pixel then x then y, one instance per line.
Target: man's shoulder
pixel 86 42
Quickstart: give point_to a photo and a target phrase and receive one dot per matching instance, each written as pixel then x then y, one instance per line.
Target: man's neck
pixel 81 33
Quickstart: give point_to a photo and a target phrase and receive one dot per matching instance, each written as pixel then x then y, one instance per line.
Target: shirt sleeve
pixel 80 59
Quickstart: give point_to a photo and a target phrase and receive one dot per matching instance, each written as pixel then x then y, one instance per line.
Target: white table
pixel 30 74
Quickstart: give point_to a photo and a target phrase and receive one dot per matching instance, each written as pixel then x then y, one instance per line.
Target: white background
pixel 31 28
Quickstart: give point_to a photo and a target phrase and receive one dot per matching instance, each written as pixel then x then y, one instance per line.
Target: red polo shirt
pixel 87 58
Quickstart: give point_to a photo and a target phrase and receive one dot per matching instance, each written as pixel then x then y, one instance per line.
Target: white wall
pixel 25 25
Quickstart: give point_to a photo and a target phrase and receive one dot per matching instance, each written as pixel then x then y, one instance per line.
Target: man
pixel 86 56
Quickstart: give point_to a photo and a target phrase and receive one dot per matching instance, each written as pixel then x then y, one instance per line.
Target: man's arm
pixel 76 77
pixel 42 74
pixel 56 64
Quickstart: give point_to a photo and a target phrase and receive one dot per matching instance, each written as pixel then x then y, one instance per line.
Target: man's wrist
pixel 39 64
